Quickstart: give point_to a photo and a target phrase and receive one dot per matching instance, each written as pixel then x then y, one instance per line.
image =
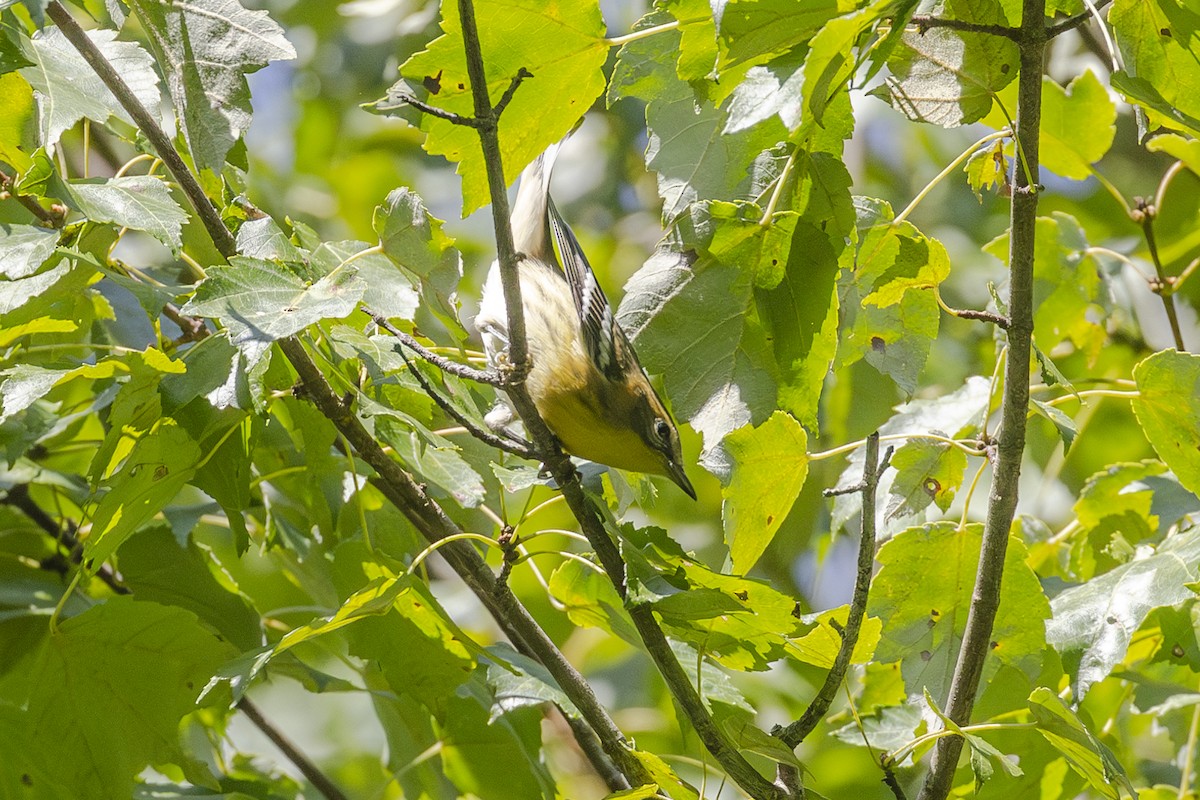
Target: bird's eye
pixel 661 429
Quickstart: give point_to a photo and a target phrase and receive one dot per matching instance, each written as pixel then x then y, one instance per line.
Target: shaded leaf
pixel 923 620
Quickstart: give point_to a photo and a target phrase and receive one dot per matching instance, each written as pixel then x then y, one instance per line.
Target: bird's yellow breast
pixel 572 395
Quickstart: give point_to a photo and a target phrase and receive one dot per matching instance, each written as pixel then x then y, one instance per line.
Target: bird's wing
pixel 595 313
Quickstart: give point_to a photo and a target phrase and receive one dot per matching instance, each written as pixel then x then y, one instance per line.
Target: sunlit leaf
pixel 562 45
pixel 1094 622
pixel 1077 126
pixel 1168 410
pixel 140 202
pixel 770 464
pixel 1086 754
pixel 924 620
pixel 67 89
pixel 206 47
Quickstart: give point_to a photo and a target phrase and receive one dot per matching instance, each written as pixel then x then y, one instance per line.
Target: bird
pixel 585 378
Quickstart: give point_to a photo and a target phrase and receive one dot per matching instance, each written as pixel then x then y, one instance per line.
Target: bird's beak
pixel 675 472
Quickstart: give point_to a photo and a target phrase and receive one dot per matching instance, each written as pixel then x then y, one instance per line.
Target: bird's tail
pixel 530 222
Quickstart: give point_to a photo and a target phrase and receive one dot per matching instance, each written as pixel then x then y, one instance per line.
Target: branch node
pixel 507 97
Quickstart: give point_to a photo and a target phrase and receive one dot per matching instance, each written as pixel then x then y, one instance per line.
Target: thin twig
pixel 193 328
pixel 1010 443
pixel 1073 22
pixel 795 733
pixel 1144 214
pixel 510 92
pixel 891 781
pixel 925 23
pixel 209 217
pixel 308 769
pixel 47 218
pixel 18 497
pixel 490 377
pixel 434 111
pixel 506 444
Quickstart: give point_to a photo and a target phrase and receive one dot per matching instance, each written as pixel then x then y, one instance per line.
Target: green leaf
pixel 1078 125
pixel 591 601
pixel 923 620
pixel 67 88
pixel 18 125
pixel 948 78
pixel 1176 146
pixel 1066 427
pixel 769 466
pixel 498 761
pixel 1114 506
pixel 11 57
pixel 563 46
pixel 262 301
pixel 1161 66
pixel 831 62
pixel 24 385
pixel 156 567
pixel 1069 291
pixel 421 653
pixel 690 323
pixel 414 240
pixel 1094 622
pixel 155 471
pixel 895 340
pixel 113 684
pixel 742 623
pixel 927 471
pixel 755 31
pixel 204 48
pixel 519 681
pixel 379 596
pixel 389 291
pixel 887 728
pixel 1168 410
pixel 986 168
pixel 1086 754
pixel 141 202
pixel 696 155
pixel 24 249
pixel 955 414
pixel 820 646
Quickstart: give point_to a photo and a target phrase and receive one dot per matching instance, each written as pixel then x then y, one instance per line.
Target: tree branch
pixel 1144 215
pixel 1073 22
pixel 546 445
pixel 429 518
pixel 796 732
pixel 47 218
pixel 925 23
pixel 1014 406
pixel 308 769
pixel 220 235
pixel 490 377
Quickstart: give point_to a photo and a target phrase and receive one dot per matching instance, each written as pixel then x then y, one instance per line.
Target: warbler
pixel 584 378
